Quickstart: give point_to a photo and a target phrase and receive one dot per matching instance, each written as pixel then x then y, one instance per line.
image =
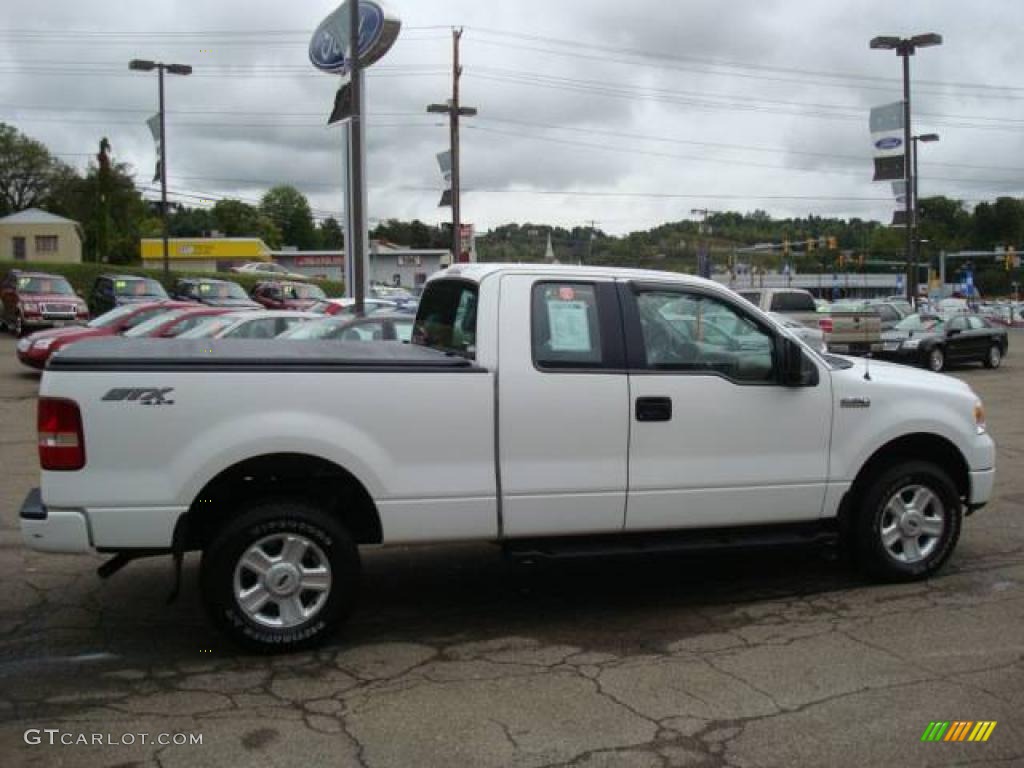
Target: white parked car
pixel 258 324
pixel 554 410
pixel 267 269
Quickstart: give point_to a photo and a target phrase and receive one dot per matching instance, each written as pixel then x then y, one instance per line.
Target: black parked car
pixel 212 292
pixel 934 341
pixel 111 291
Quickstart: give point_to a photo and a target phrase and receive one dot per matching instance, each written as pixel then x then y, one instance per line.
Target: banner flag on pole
pixel 444 162
pixel 886 123
pixel 342 104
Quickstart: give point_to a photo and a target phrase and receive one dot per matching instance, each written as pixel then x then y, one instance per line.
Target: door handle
pixel 654 409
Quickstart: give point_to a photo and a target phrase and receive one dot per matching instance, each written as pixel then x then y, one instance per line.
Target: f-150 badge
pixel 143 395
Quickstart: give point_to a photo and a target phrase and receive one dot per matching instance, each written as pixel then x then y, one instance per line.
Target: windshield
pixel 303 291
pixel 113 316
pixel 139 287
pixel 220 291
pixel 52 285
pixel 146 328
pixel 919 323
pixel 208 328
pixel 316 329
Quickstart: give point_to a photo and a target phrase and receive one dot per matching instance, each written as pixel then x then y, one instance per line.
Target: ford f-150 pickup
pixel 554 410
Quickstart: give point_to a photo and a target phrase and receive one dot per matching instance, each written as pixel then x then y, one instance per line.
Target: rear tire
pixel 994 358
pixel 935 360
pixel 908 523
pixel 18 329
pixel 281 576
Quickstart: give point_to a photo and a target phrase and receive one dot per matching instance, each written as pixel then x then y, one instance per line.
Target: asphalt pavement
pixel 457 657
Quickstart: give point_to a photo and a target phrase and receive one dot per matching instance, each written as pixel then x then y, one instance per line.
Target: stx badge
pixel 143 395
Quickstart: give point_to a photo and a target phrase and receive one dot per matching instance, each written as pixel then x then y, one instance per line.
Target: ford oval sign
pixel 889 142
pixel 378 30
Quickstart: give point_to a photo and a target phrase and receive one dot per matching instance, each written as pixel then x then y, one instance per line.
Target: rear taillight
pixel 825 324
pixel 61 442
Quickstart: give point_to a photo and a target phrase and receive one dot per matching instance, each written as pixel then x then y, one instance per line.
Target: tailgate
pixel 854 328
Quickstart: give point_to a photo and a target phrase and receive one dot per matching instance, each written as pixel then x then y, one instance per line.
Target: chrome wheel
pixel 282 580
pixel 912 524
pixel 995 357
pixel 19 326
pixel 936 360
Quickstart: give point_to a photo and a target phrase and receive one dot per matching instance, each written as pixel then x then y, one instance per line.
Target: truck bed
pixel 253 354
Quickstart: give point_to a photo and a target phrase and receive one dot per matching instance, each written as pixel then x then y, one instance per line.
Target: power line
pixel 719 145
pixel 575 45
pixel 722 161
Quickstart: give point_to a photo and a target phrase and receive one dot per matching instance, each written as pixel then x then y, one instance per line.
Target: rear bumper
pixel 50 530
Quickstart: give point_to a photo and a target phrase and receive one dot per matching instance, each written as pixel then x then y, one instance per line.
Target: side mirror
pixel 795 370
pixel 953 332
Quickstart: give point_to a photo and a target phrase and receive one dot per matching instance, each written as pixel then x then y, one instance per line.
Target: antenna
pixel 867 366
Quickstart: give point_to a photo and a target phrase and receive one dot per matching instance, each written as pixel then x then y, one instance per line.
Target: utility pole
pixel 455 110
pixel 703 250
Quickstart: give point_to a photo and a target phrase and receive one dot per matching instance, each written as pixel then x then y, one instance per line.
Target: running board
pixel 661 542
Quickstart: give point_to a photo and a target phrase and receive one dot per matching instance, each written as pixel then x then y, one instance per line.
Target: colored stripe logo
pixel 959 730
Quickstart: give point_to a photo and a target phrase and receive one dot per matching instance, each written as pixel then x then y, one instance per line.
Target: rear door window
pixel 566 331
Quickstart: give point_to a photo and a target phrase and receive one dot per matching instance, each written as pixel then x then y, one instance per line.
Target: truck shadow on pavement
pixel 434 595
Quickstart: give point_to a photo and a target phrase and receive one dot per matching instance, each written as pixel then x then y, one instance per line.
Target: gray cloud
pixel 750 73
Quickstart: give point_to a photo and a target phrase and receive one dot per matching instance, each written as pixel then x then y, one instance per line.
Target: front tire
pixel 908 523
pixel 18 329
pixel 994 358
pixel 935 360
pixel 280 577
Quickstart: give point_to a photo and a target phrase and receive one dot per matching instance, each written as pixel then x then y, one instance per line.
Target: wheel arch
pixel 281 475
pixel 921 446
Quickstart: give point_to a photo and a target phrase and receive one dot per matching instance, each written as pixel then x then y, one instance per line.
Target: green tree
pixel 82 199
pixel 237 219
pixel 288 208
pixel 29 174
pixel 331 235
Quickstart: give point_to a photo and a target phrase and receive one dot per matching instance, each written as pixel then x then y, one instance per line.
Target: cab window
pixel 446 319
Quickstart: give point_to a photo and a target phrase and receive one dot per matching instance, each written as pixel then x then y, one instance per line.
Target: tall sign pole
pixel 354 36
pixel 357 233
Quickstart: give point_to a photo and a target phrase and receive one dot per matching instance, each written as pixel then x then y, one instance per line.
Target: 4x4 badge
pixel 143 395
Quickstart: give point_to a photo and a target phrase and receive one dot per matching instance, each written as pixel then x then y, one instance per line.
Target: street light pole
pixel 925 137
pixel 141 65
pixel 905 48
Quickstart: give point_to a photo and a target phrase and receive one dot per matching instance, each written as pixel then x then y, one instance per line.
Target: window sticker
pixel 570 326
pixel 205 287
pixel 120 284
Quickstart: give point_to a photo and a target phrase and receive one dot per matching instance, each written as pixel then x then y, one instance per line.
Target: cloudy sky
pixel 627 114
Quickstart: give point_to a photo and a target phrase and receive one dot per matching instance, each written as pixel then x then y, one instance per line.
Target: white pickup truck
pixel 553 410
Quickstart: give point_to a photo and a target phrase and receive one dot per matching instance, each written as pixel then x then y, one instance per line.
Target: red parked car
pixel 278 294
pixel 39 300
pixel 36 349
pixel 173 322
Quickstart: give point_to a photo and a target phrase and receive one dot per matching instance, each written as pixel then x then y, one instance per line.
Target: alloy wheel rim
pixel 282 580
pixel 912 523
pixel 936 360
pixel 994 356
